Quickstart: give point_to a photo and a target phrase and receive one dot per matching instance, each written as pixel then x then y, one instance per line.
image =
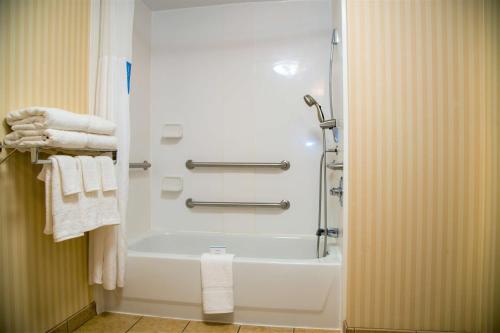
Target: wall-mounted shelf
pixel 35 152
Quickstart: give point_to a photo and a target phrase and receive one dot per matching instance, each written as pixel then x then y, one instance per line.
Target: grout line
pixel 189 321
pixel 138 320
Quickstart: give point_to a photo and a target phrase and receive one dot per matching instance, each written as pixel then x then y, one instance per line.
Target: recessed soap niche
pixel 171 131
pixel 172 184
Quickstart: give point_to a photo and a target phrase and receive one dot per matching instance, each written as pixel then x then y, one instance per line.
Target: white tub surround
pixel 277 279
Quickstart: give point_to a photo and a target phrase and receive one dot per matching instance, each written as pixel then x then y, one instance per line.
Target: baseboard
pixel 349 329
pixel 76 320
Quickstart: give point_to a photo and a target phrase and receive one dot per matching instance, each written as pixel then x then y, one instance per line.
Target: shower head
pixel 310 101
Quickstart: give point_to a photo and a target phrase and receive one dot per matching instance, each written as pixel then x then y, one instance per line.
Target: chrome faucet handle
pixel 339 191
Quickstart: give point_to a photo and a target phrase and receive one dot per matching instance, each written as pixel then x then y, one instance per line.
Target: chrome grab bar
pixel 284 165
pixel 144 165
pixel 283 204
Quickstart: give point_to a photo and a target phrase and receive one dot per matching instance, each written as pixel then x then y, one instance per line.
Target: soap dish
pixel 171 184
pixel 172 131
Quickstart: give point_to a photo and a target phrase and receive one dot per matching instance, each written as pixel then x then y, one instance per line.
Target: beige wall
pixel 43 61
pixel 424 163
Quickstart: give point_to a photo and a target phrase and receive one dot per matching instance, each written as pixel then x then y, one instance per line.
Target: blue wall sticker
pixel 129 69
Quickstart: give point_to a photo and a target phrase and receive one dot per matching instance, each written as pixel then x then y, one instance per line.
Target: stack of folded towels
pixel 50 127
pixel 80 195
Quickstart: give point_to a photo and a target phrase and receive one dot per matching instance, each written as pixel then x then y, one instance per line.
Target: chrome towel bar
pixel 35 154
pixel 284 165
pixel 283 204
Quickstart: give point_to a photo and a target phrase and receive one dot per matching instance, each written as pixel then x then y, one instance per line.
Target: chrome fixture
pixel 35 152
pixel 283 204
pixel 283 165
pixel 335 165
pixel 338 191
pixel 334 42
pixel 332 232
pixel 328 124
pixel 144 165
pixel 310 101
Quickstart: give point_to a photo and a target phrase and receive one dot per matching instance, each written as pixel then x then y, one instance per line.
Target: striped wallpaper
pixel 43 61
pixel 424 164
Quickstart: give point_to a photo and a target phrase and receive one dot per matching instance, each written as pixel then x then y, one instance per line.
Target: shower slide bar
pixel 283 165
pixel 283 204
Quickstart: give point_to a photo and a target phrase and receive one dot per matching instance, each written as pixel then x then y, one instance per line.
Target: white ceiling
pixel 174 4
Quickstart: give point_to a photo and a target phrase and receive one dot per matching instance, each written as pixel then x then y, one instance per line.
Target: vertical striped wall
pixel 424 164
pixel 43 61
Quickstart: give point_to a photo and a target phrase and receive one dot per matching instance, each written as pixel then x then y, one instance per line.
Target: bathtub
pixel 277 280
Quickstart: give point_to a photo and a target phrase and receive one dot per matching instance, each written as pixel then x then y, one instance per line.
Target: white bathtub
pixel 277 280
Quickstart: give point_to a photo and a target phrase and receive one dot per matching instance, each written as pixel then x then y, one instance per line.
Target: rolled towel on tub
pixel 38 117
pixel 217 283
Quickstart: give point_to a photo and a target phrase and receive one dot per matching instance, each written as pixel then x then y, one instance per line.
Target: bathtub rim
pixel 333 258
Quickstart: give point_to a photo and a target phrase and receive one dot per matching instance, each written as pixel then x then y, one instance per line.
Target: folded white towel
pixel 38 117
pixel 66 214
pixel 91 175
pixel 98 208
pixel 60 139
pixel 71 174
pixel 217 283
pixel 46 176
pixel 108 175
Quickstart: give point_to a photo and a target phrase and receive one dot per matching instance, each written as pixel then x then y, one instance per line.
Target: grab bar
pixel 283 204
pixel 144 165
pixel 284 165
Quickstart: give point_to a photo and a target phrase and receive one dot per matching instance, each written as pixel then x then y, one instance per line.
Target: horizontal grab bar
pixel 284 165
pixel 283 204
pixel 144 165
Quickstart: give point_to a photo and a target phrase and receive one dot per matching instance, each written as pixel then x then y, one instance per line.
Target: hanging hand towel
pixel 217 283
pixel 37 117
pixel 71 174
pixel 91 175
pixel 108 175
pixel 66 210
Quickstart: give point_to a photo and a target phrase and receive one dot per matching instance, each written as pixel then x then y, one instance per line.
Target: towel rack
pixel 284 165
pixel 283 204
pixel 35 152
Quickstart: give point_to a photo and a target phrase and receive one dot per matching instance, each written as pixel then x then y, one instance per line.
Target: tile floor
pixel 120 323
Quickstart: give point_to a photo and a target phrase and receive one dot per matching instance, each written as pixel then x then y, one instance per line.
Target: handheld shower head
pixel 310 101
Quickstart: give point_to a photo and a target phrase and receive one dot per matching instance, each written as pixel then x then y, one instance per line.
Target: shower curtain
pixel 109 94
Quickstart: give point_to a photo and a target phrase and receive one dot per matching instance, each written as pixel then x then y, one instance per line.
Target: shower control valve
pixel 339 190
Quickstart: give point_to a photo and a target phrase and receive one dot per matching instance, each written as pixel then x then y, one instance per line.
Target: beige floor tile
pixel 109 323
pixel 158 325
pixel 263 329
pixel 203 327
pixel 312 330
pixel 364 330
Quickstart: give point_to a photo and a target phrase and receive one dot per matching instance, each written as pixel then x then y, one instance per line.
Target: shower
pixel 330 124
pixel 310 101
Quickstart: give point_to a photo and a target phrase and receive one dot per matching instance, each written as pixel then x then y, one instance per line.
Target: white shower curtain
pixel 110 100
